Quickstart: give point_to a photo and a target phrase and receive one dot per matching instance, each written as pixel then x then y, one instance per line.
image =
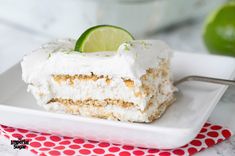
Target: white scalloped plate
pixel 180 124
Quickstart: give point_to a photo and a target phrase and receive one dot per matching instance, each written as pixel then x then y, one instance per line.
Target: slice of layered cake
pixel 104 74
pixel 132 84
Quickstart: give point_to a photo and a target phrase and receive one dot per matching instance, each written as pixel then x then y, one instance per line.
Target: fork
pixel 205 79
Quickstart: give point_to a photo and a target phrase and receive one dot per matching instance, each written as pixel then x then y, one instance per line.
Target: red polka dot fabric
pixel 43 144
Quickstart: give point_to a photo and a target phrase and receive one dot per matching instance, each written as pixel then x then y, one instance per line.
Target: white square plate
pixel 180 124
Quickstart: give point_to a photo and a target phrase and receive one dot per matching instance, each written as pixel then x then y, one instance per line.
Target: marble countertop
pixel 187 37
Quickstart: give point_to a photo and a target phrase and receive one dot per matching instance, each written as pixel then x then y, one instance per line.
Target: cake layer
pixel 97 103
pixel 108 110
pixel 81 87
pixel 130 61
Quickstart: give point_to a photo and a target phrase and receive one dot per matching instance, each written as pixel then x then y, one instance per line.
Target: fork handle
pixel 205 79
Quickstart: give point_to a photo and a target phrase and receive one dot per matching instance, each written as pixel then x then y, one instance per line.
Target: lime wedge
pixel 102 38
pixel 219 30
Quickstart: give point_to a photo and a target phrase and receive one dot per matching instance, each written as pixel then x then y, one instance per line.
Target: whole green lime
pixel 219 30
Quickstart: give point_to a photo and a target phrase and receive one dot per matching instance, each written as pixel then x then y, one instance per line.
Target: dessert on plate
pixel 131 83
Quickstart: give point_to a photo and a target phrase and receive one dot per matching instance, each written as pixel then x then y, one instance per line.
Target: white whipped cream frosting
pixel 130 61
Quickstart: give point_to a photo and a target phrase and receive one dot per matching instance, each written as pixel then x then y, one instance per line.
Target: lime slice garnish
pixel 102 38
pixel 219 30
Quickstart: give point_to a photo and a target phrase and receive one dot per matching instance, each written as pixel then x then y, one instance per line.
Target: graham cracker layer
pixel 93 102
pixel 101 103
pixel 71 78
pixel 98 111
